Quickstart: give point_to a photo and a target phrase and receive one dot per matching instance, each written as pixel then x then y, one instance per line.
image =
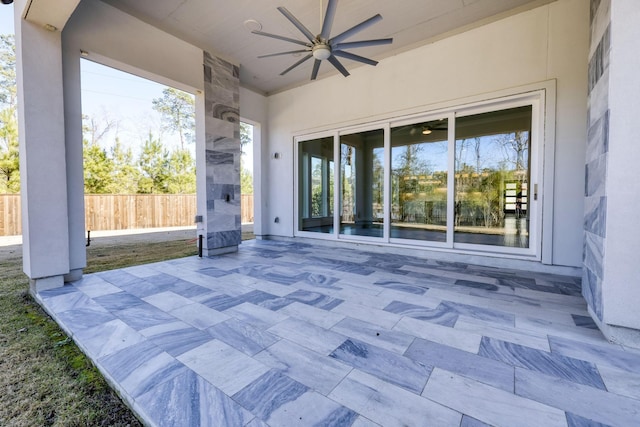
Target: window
pixel 316 186
pixel 492 171
pixel 419 161
pixel 461 179
pixel 362 183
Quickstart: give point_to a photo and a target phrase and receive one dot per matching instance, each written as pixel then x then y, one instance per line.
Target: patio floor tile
pixel 282 334
pixel 584 401
pixel 390 405
pixel 488 404
pixel 318 372
pixel 223 366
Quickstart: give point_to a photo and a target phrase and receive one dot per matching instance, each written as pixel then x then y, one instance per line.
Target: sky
pixel 110 94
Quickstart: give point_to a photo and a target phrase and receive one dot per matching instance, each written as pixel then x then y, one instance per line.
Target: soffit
pixel 218 26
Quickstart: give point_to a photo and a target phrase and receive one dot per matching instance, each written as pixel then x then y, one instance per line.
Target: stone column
pixel 222 151
pixel 612 191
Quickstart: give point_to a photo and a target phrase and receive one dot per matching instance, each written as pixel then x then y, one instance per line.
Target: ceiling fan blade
pixel 354 57
pixel 328 19
pixel 275 36
pixel 316 67
pixel 363 43
pixel 351 31
pixel 283 53
pixel 334 61
pixel 297 23
pixel 296 64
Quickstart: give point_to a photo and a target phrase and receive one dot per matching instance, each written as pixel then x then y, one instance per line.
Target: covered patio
pixel 288 333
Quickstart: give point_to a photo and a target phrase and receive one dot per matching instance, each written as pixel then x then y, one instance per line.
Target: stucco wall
pixel 621 288
pixel 115 38
pixel 253 108
pixel 550 42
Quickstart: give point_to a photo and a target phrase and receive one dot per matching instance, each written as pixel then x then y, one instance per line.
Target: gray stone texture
pixel 595 215
pixel 222 152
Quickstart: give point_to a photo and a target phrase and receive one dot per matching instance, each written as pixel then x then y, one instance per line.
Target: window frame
pixel 540 97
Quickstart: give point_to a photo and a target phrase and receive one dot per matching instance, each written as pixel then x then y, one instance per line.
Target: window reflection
pixel 315 198
pixel 492 170
pixel 419 181
pixel 362 183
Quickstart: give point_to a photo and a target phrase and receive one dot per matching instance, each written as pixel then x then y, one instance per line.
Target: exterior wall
pixel 253 107
pixel 620 286
pixel 546 43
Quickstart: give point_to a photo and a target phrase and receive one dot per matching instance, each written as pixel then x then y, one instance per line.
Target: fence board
pixel 123 211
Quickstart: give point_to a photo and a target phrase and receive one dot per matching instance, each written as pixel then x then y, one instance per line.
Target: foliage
pixel 8 87
pixel 246 135
pixel 246 177
pixel 178 113
pixel 154 164
pixel 9 145
pixel 98 169
pixel 182 174
pixel 9 149
pixel 125 173
pixel 246 181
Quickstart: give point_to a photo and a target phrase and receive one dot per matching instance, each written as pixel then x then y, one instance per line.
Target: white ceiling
pixel 218 26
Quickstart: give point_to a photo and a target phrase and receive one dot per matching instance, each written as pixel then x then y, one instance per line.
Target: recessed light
pixel 252 25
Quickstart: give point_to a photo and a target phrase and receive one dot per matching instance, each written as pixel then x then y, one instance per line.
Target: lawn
pixel 44 378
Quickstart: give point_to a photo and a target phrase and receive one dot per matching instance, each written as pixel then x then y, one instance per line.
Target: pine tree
pixel 178 113
pixel 154 164
pixel 182 177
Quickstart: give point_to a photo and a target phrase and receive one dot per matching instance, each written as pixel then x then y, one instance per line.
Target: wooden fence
pixel 123 211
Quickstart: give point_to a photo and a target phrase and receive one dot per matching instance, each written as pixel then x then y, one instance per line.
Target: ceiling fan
pixel 322 46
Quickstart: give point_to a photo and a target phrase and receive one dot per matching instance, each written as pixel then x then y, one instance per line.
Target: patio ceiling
pixel 218 26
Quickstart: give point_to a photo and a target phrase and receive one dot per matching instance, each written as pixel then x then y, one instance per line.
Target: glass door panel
pixel 362 183
pixel 315 185
pixel 419 157
pixel 492 176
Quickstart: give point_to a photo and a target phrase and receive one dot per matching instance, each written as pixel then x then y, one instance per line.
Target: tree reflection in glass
pixel 492 170
pixel 419 181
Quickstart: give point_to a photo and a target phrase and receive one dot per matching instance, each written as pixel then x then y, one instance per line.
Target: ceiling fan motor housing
pixel 321 51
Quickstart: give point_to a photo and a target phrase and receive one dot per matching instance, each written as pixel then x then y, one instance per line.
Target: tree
pixel 515 147
pixel 9 161
pixel 8 88
pixel 246 136
pixel 246 181
pixel 98 169
pixel 125 173
pixel 182 176
pixel 177 109
pixel 9 142
pixel 154 164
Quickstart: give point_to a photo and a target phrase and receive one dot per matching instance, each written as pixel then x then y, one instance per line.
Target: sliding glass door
pixel 492 176
pixel 464 179
pixel 419 162
pixel 316 185
pixel 362 183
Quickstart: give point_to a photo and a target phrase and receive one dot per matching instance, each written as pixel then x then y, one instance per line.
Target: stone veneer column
pixel 222 151
pixel 596 160
pixel 611 282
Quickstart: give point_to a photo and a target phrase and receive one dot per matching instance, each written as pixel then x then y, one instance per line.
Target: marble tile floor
pixel 290 334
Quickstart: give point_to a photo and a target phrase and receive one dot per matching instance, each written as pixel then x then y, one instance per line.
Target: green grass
pixel 44 378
